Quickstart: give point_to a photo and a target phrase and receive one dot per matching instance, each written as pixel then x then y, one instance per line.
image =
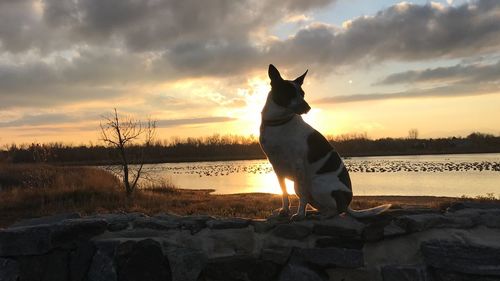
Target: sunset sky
pixel 200 67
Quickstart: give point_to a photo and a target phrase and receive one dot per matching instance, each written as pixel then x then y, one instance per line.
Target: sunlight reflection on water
pixel 438 175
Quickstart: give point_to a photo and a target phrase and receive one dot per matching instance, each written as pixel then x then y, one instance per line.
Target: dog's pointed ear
pixel 274 74
pixel 299 80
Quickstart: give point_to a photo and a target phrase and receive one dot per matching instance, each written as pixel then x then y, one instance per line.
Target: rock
pixel 374 231
pixel 331 257
pixel 80 260
pixel 141 260
pixel 117 221
pixel 415 223
pixel 240 268
pixel 405 273
pixel 195 223
pixel 46 220
pixel 349 274
pixel 340 242
pixel 491 219
pixel 152 223
pixel 48 267
pixel 392 230
pixel 294 272
pixel 228 223
pixel 9 270
pixel 443 275
pixel 278 255
pixel 262 225
pixel 32 240
pixel 473 205
pixel 186 264
pixel 101 267
pixel 339 227
pixel 463 258
pixel 70 232
pixel 291 231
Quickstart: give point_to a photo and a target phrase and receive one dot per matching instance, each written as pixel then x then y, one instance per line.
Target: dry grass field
pixel 28 191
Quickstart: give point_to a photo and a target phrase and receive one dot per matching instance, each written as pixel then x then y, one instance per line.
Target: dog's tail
pixel 368 212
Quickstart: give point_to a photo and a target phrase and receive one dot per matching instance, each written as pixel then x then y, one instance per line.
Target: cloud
pixel 475 73
pixel 61 52
pixel 191 121
pixel 39 119
pixel 455 90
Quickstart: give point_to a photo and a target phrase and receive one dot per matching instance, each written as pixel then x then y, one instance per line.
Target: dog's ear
pixel 300 80
pixel 274 74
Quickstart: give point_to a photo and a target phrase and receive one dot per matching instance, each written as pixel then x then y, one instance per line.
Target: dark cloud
pixel 476 73
pixel 455 90
pixel 40 119
pixel 190 121
pixel 94 49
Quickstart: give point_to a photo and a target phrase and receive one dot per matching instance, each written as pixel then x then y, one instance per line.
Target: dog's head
pixel 287 93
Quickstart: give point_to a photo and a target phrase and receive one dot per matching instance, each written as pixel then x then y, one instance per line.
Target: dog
pixel 298 152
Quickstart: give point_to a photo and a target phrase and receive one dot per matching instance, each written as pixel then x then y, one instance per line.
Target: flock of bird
pixel 215 169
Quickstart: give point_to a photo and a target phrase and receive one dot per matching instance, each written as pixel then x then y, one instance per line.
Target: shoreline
pixel 226 159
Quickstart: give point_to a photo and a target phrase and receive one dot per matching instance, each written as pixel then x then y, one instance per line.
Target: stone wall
pixel 462 243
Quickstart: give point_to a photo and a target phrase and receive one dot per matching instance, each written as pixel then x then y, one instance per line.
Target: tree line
pixel 234 147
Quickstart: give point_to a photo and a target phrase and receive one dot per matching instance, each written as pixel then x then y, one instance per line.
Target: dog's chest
pixel 286 146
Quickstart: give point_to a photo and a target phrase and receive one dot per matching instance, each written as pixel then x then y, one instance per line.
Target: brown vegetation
pixel 28 191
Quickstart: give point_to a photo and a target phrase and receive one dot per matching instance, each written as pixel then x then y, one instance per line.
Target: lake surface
pixel 437 175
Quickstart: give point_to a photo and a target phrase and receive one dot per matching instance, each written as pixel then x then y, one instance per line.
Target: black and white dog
pixel 300 153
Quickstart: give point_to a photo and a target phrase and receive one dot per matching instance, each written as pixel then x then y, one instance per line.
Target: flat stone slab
pixel 228 223
pixel 9 270
pixel 291 231
pixel 338 226
pixel 332 257
pixel 463 258
pixel 421 222
pixel 20 241
pixel 153 223
pixel 405 273
pixel 46 220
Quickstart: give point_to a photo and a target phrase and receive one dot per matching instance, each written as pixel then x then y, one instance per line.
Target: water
pixel 437 175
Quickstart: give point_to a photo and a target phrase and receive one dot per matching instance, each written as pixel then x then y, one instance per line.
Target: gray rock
pixel 32 240
pixel 491 219
pixel 392 230
pixel 48 267
pixel 69 232
pixel 262 225
pixel 405 273
pixel 340 242
pixel 46 220
pixel 463 258
pixel 332 257
pixel 294 272
pixel 278 255
pixel 228 223
pixel 152 223
pixel 444 275
pixel 80 260
pixel 415 223
pixel 141 260
pixel 240 268
pixel 339 227
pixel 473 205
pixel 116 221
pixel 101 267
pixel 195 223
pixel 9 270
pixel 186 264
pixel 374 231
pixel 291 231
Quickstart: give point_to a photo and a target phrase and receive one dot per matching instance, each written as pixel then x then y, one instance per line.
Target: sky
pixel 200 67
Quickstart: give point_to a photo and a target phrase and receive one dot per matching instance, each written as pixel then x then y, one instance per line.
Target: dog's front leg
pixel 301 210
pixel 285 207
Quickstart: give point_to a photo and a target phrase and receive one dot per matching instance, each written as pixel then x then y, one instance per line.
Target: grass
pixel 28 191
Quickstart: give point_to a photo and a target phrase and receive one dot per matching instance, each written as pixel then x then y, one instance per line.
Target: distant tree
pixel 413 134
pixel 122 134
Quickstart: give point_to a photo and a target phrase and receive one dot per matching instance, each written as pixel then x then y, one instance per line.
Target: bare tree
pixel 413 134
pixel 121 134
